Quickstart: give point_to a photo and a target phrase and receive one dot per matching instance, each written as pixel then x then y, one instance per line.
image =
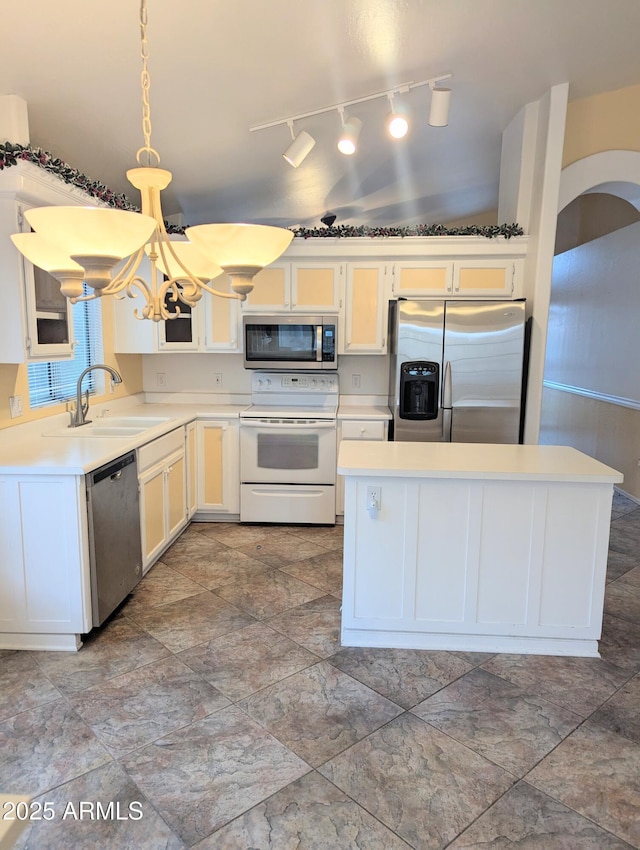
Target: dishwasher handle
pixel 112 470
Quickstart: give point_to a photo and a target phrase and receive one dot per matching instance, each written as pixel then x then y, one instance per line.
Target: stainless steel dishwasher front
pixel 115 547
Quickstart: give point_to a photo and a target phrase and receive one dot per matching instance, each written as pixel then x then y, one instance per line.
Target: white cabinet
pixel 218 452
pixel 357 429
pixel 163 494
pixel 485 278
pixel 213 324
pixel 422 278
pixel 299 287
pixel 191 458
pixel 45 602
pixel 35 322
pixel 462 278
pixel 363 329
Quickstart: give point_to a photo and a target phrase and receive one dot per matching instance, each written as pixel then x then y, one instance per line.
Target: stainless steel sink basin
pixel 111 426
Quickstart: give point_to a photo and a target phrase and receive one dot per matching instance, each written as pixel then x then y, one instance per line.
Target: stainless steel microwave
pixel 290 342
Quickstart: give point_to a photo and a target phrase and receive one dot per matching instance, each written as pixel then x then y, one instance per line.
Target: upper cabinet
pixel 213 324
pixel 36 321
pixel 363 328
pixel 299 287
pixel 465 278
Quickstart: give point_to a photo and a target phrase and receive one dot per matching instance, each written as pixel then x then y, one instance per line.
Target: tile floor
pixel 219 699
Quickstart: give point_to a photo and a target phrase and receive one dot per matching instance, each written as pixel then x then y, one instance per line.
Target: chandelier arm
pixel 126 274
pixel 220 294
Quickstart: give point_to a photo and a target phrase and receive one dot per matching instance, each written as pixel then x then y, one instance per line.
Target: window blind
pixel 56 380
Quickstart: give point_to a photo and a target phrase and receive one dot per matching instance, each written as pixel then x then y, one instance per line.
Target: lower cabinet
pixel 45 600
pixel 218 452
pixel 162 473
pixel 357 429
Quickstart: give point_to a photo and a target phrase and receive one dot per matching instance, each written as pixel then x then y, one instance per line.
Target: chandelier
pixel 105 248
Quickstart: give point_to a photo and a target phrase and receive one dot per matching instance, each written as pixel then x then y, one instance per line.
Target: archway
pixel 591 395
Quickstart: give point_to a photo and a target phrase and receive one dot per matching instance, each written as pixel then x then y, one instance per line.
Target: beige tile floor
pixel 219 699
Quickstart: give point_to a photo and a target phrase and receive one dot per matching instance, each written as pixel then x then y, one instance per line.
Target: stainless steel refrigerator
pixel 456 370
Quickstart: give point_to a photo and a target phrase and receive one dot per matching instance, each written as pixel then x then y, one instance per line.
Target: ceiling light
pixel 348 140
pixel 92 241
pixel 439 111
pixel 397 122
pixel 299 148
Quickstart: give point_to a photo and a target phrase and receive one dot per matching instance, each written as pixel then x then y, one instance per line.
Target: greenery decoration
pixel 11 154
pixel 489 230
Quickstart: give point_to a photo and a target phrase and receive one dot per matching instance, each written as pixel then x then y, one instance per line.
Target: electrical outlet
pixel 217 379
pixel 374 500
pixel 161 380
pixel 15 406
pixel 355 382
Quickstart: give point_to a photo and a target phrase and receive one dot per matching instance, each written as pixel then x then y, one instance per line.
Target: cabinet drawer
pixel 155 451
pixel 361 430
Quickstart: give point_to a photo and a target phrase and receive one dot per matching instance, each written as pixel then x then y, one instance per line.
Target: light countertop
pixel 471 460
pixel 363 411
pixel 25 450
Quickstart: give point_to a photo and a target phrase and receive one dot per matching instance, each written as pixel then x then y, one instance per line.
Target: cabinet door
pixel 315 287
pixel 153 513
pixel 428 277
pixel 179 333
pixel 191 459
pixel 218 467
pixel 44 563
pixel 484 278
pixel 222 319
pixel 176 496
pixel 49 317
pixel 365 314
pixel 271 290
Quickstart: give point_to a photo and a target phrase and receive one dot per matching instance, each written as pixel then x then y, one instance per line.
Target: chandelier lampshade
pixel 242 250
pixel 53 260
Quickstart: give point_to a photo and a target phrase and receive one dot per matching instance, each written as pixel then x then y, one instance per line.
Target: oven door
pixel 278 451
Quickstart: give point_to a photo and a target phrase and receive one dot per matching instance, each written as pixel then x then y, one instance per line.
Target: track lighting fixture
pixel 397 122
pixel 348 139
pixel 439 111
pixel 299 148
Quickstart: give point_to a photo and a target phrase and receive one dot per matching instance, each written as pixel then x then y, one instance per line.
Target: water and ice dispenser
pixel 419 385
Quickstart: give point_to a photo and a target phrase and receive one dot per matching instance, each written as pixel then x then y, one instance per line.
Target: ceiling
pixel 219 68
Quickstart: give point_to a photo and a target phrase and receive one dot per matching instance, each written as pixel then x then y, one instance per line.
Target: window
pixel 56 380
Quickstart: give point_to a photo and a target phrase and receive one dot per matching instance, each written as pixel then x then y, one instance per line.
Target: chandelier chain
pixel 145 82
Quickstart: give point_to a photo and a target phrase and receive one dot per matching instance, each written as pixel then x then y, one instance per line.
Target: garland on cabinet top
pixel 11 154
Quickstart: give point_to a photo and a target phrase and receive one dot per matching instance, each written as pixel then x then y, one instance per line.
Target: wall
pixel 604 422
pixel 604 122
pixel 14 380
pixel 194 373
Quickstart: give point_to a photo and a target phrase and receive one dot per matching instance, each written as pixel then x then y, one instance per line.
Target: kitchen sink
pixel 111 426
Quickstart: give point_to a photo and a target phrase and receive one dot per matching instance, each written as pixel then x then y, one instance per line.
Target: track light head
pixel 328 219
pixel 397 121
pixel 299 148
pixel 439 111
pixel 348 141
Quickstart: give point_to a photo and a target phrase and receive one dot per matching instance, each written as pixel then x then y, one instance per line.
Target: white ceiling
pixel 219 68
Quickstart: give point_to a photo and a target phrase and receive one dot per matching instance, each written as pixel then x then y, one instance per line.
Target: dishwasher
pixel 115 545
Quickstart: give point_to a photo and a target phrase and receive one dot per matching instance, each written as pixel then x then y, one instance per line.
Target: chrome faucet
pixel 82 408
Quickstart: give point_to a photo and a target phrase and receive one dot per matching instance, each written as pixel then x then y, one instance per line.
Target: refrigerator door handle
pixel 446 425
pixel 446 403
pixel 447 393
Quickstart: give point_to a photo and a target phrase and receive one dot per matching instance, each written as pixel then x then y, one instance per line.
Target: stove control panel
pixel 285 382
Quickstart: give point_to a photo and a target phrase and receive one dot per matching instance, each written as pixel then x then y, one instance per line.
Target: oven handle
pixel 304 424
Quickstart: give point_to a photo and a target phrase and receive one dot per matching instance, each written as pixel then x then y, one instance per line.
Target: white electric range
pixel 288 448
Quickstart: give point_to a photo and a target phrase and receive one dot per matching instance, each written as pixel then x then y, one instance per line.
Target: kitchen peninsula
pixel 477 547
